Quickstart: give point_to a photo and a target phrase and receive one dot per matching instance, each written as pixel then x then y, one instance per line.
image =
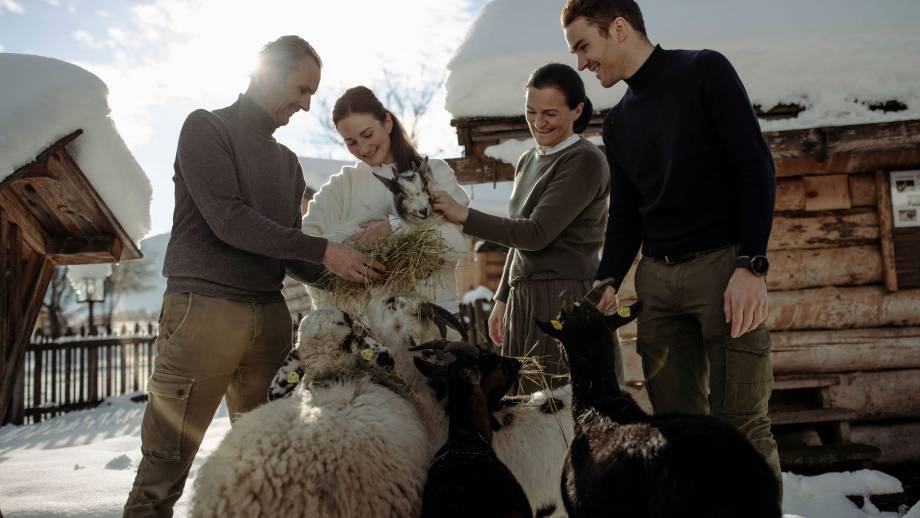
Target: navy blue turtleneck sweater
pixel 690 170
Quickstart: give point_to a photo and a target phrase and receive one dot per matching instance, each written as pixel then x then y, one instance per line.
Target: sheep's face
pixel 408 320
pixel 411 192
pixel 327 325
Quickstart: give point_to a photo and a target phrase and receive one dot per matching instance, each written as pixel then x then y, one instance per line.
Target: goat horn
pixel 594 296
pixel 442 318
pixel 391 184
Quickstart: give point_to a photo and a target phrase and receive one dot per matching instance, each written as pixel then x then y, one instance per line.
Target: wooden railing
pixel 75 373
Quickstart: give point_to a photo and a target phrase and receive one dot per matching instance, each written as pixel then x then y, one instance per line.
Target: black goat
pixel 623 462
pixel 466 478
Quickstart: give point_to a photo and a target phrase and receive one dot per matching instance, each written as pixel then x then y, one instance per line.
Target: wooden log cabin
pixel 50 215
pixel 844 285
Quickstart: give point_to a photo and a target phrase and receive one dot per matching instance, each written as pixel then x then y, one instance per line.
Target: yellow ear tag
pixel 624 312
pixel 367 354
pixel 417 335
pixel 293 377
pixel 557 325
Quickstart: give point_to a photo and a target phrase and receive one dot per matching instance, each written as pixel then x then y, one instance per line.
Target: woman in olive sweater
pixel 558 213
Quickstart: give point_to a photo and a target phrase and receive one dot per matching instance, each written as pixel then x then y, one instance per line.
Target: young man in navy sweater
pixel 693 182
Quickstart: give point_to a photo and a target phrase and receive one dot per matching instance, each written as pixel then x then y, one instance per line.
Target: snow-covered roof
pixel 832 58
pixel 43 100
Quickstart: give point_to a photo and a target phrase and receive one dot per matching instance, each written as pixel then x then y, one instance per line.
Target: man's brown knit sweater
pixel 237 214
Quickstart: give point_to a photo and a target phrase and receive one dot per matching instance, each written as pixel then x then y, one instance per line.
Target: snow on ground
pixel 46 99
pixel 82 465
pixel 831 61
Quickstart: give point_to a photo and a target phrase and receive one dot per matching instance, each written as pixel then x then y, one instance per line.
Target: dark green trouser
pixel 691 362
pixel 207 348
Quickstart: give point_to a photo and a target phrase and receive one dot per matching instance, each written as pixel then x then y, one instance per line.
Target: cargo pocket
pixel 164 419
pixel 748 372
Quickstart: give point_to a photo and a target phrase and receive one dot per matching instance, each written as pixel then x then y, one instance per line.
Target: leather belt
pixel 682 258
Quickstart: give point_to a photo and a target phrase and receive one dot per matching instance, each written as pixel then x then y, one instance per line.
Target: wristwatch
pixel 758 264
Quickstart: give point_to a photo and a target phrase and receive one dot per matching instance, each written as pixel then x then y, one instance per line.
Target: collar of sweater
pixel 254 116
pixel 649 70
pixel 573 138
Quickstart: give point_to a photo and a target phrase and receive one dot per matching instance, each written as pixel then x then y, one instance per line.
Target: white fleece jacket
pixel 354 195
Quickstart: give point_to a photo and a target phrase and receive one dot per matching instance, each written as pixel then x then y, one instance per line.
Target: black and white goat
pixel 411 191
pixel 466 478
pixel 623 462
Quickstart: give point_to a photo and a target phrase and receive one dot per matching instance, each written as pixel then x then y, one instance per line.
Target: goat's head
pixel 468 364
pixel 411 191
pixel 408 320
pixel 580 327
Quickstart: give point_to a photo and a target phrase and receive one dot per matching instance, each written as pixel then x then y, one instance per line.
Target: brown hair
pixel 360 99
pixel 601 13
pixel 285 53
pixel 565 79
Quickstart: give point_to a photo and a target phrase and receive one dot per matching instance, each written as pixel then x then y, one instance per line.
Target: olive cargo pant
pixel 207 347
pixel 691 362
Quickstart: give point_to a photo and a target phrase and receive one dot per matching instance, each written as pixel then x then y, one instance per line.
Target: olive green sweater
pixel 558 213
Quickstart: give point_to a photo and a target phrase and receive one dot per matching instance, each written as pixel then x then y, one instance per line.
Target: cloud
pixel 172 49
pixel 12 6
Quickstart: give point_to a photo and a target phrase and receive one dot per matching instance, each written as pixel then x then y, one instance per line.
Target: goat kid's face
pixel 580 327
pixel 407 320
pixel 411 192
pixel 460 363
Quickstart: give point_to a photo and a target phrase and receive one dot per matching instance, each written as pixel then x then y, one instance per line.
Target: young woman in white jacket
pixel 355 206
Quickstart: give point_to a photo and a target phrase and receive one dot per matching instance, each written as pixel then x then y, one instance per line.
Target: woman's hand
pixel 452 210
pixel 497 322
pixel 372 229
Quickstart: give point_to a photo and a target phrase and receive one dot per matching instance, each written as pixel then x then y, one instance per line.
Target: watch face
pixel 759 264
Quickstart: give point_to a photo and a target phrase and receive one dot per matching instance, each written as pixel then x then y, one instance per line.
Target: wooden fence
pixel 75 373
pixel 476 317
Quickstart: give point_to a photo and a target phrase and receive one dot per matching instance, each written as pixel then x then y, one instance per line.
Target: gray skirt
pixel 531 300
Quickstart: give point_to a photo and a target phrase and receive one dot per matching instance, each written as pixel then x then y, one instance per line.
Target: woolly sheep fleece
pixel 330 452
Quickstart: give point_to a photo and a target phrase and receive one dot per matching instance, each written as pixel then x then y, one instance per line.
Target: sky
pixel 162 59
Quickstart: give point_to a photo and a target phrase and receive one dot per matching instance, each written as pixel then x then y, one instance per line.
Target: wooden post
pixel 37 385
pixel 885 224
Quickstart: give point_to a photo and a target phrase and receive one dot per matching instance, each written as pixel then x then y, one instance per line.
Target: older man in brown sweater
pixel 224 326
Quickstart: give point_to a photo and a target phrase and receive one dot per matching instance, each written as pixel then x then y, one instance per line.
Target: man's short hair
pixel 601 13
pixel 285 53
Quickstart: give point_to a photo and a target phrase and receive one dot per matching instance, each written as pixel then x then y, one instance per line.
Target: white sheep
pixel 345 444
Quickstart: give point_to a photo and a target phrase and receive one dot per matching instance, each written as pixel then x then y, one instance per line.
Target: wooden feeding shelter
pixel 50 215
pixel 844 280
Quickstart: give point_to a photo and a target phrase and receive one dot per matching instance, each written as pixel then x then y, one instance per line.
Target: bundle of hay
pixel 410 257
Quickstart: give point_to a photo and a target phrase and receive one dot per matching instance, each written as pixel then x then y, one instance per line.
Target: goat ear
pixel 550 329
pixel 390 183
pixel 623 316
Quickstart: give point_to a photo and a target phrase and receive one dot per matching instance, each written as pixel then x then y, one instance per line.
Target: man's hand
pixel 452 210
pixel 608 299
pixel 745 301
pixel 497 321
pixel 371 229
pixel 348 263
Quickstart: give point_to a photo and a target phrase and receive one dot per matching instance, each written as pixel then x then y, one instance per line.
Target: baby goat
pixel 623 462
pixel 466 478
pixel 411 191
